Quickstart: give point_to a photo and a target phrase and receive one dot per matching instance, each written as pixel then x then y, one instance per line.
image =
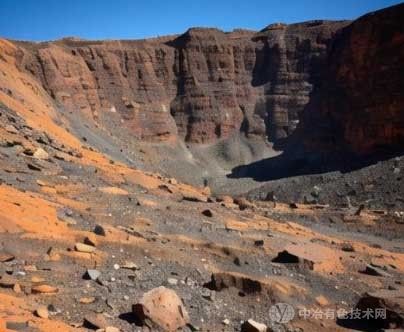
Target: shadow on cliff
pixel 292 163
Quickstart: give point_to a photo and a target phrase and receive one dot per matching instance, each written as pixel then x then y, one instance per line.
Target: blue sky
pixel 134 19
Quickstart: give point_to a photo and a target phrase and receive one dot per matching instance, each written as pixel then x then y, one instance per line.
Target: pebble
pixel 347 247
pixel 253 326
pixel 6 257
pixel 259 243
pixel 172 281
pixel 207 213
pixel 111 329
pixel 81 247
pixel 92 274
pixel 96 320
pixel 91 240
pixel 42 312
pixel 17 288
pixel 130 266
pixel 46 289
pixel 87 300
pixel 99 230
pixel 41 154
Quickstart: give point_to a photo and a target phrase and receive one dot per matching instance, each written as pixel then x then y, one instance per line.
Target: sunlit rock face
pixel 203 85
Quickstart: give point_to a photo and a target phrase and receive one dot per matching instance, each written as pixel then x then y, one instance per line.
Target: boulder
pixel 163 307
pixel 41 154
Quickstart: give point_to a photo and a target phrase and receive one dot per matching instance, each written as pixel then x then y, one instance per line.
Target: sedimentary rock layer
pixel 205 84
pixel 202 85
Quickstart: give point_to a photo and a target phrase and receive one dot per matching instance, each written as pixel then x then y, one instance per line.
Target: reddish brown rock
pixel 359 106
pixel 204 84
pixel 6 257
pixel 44 289
pixel 163 307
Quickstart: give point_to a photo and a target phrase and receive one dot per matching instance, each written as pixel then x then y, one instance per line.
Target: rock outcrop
pixel 206 85
pixel 203 85
pixel 359 105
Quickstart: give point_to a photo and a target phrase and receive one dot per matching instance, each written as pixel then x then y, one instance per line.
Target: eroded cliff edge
pixel 203 85
pixel 342 81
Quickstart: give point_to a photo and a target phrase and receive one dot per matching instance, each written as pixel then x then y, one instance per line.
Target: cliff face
pixel 359 105
pixel 202 85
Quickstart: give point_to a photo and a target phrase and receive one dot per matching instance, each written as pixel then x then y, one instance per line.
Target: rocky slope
pixel 88 243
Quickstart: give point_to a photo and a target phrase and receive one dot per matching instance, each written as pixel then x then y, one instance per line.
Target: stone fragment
pixel 226 321
pixel 347 247
pixel 111 329
pixel 130 266
pixel 91 240
pixel 81 247
pixel 259 243
pixel 99 230
pixel 172 281
pixel 87 300
pixel 95 321
pixel 92 274
pixel 44 289
pixel 321 300
pixel 6 257
pixel 41 154
pixel 253 326
pixel 163 307
pixel 42 312
pixel 17 288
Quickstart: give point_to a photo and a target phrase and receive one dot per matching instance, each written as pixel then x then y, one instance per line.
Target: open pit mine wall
pixel 343 81
pixel 202 85
pixel 359 103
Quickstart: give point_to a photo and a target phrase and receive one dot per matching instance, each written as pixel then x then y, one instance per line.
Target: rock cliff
pixel 359 104
pixel 203 85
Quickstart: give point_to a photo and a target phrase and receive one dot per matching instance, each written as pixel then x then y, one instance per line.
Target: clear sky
pixel 134 19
